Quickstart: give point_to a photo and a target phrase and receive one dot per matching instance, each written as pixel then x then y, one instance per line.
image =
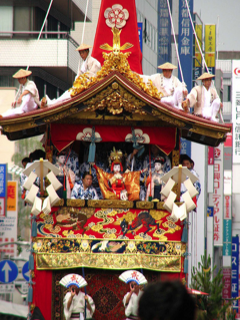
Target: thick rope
pixel 40 33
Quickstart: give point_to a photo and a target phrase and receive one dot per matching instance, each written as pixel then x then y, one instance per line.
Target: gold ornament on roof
pixel 116 42
pixel 115 61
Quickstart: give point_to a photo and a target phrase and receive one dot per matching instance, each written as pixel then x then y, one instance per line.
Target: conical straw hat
pixel 83 46
pixel 206 75
pixel 22 74
pixel 167 66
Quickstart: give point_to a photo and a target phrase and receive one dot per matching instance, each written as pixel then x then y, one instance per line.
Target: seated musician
pixel 84 189
pixel 89 65
pixel 204 99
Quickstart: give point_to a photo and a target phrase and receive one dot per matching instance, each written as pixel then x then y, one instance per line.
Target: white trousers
pixel 28 104
pixel 176 99
pixel 65 96
pixel 211 112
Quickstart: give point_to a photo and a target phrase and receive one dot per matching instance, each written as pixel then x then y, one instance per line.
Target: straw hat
pixel 167 66
pixel 83 46
pixel 22 74
pixel 206 75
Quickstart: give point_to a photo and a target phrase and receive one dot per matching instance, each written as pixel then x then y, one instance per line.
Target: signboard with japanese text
pixel 3 189
pixel 226 292
pixel 164 32
pixel 185 43
pixel 140 34
pixel 185 147
pixel 210 156
pixel 235 271
pixel 216 198
pixel 8 233
pixel 227 232
pixel 12 195
pixel 210 47
pixel 236 110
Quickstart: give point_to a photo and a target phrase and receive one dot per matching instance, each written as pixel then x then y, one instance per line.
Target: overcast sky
pixel 229 20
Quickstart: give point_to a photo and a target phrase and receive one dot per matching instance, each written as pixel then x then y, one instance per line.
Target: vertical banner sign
pixel 185 43
pixel 235 272
pixel 3 189
pixel 227 231
pixel 236 110
pixel 140 34
pixel 185 147
pixel 210 156
pixel 226 293
pixel 8 224
pixel 216 198
pixel 198 58
pixel 210 47
pixel 164 32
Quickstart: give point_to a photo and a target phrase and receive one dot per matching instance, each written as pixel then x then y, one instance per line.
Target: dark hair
pixel 26 159
pixel 86 173
pixel 168 300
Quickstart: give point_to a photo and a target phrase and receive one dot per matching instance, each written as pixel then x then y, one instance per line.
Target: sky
pixel 229 20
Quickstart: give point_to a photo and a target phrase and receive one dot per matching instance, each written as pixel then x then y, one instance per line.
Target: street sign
pixel 7 288
pixel 8 271
pixel 25 271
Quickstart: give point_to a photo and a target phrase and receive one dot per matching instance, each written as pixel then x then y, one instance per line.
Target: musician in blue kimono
pixel 84 189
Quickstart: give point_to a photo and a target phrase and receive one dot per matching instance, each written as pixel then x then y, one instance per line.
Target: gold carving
pixel 114 62
pixel 105 261
pixel 175 158
pixel 110 204
pixel 144 205
pixel 168 118
pixel 75 203
pixel 60 203
pixel 61 115
pixel 115 99
pixel 208 132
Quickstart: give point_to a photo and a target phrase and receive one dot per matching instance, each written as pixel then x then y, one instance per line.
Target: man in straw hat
pixel 172 89
pixel 204 98
pixel 89 65
pixel 27 98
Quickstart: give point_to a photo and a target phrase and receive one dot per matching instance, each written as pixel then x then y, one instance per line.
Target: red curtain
pixel 165 138
pixel 42 292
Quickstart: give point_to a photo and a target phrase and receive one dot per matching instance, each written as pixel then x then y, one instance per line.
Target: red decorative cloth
pixel 115 16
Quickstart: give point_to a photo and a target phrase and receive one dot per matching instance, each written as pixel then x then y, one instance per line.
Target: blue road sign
pixel 25 271
pixel 8 271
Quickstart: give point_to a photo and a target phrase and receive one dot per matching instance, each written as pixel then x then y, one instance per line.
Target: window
pixel 6 19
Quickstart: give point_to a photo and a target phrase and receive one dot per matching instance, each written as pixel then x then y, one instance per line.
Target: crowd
pixel 203 98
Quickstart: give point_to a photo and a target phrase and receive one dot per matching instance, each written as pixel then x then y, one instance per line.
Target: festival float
pixel 99 239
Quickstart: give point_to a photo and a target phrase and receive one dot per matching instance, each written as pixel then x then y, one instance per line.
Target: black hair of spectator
pixel 26 159
pixel 168 300
pixel 86 173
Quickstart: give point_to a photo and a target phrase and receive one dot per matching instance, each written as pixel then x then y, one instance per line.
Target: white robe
pixel 132 307
pixel 78 305
pixel 29 102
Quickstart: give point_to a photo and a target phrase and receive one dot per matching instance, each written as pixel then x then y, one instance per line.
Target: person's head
pixel 61 158
pixel 87 179
pixel 116 168
pixel 206 79
pixel 168 300
pixel 74 289
pixel 83 50
pixel 25 161
pixel 22 75
pixel 167 69
pixel 158 163
pixel 134 285
pixel 186 161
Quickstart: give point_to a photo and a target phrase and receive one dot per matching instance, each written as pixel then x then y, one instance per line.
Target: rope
pixel 175 42
pixel 85 17
pixel 40 33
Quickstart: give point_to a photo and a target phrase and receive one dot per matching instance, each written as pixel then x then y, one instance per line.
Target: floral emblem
pixel 116 16
pixel 86 135
pixel 141 137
